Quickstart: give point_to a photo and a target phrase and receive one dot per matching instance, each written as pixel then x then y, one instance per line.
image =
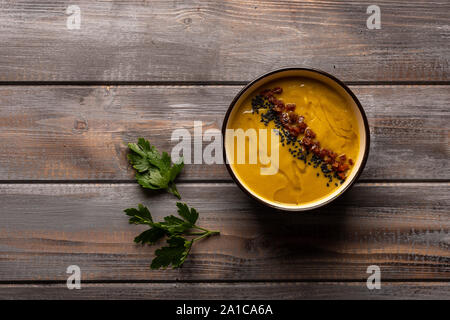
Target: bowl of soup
pixel 295 139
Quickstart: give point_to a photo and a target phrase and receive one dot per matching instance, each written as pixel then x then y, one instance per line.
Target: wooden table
pixel 70 100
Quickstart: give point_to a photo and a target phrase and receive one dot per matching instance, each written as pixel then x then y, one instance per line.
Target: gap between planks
pixel 361 182
pixel 224 281
pixel 203 83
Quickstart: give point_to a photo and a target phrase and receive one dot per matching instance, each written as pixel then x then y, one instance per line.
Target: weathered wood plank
pixel 80 133
pixel 222 41
pixel 235 291
pixel 402 227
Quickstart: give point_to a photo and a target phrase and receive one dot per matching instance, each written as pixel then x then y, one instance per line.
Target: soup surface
pixel 318 140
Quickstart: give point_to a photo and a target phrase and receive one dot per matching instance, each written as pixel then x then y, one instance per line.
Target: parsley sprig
pixel 154 170
pixel 174 228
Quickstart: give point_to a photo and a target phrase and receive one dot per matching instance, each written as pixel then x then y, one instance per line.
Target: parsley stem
pixel 206 234
pixel 173 189
pixel 195 233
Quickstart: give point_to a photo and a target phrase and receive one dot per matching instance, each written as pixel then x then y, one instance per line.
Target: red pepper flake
pixel 302 126
pixel 307 142
pixel 310 134
pixel 295 131
pixel 273 100
pixel 342 157
pixel 335 166
pixel 284 118
pixel 280 104
pixel 341 175
pixel 290 106
pixel 293 117
pixel 323 153
pixel 278 109
pixel 350 161
pixel 343 167
pixel 315 148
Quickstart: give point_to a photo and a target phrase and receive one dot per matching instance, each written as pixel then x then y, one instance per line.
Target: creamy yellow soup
pixel 297 181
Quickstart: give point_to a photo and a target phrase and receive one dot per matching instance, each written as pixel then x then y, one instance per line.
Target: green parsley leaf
pixel 141 215
pixel 190 216
pixel 175 225
pixel 150 236
pixel 140 163
pixel 175 254
pixel 154 170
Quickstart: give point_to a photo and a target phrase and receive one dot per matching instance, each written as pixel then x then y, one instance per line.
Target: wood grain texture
pixel 80 133
pixel 222 40
pixel 224 291
pixel 402 227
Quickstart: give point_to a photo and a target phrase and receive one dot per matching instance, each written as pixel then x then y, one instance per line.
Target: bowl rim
pixel 274 205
